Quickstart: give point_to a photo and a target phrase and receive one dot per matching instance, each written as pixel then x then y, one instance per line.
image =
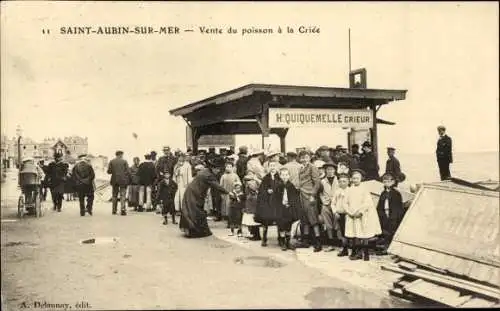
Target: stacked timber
pixel 447 248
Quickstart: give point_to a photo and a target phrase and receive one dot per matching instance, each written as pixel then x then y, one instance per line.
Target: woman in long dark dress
pixel 193 220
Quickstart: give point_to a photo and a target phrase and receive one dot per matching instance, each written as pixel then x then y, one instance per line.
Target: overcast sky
pixel 107 87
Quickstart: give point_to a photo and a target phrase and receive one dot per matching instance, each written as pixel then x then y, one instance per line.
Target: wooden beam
pixel 242 108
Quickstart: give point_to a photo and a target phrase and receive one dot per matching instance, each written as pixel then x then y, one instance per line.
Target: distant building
pixel 70 147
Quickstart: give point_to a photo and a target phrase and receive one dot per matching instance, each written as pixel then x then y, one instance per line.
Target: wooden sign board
pixel 452 229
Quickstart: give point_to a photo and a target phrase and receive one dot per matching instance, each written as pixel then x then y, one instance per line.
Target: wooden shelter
pixel 246 110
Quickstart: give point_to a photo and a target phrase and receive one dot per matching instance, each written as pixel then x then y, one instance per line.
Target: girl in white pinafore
pixel 362 222
pixel 183 174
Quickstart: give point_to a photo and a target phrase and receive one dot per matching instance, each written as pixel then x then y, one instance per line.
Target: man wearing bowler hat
pixel 241 163
pixel 83 176
pixel 120 178
pixel 57 172
pixel 444 153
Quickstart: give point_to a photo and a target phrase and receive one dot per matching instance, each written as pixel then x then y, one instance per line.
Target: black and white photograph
pixel 192 155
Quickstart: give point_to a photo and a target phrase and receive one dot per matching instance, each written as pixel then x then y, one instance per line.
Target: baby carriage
pixel 29 202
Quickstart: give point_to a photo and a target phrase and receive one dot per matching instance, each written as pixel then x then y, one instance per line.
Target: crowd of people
pixel 313 198
pixel 320 195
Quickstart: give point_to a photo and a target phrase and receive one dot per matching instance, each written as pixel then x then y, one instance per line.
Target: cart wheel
pixel 20 207
pixel 38 207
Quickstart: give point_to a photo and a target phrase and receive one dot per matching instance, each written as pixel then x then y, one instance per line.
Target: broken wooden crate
pixel 448 247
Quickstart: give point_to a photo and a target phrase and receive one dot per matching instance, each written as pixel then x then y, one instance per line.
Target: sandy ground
pixel 151 266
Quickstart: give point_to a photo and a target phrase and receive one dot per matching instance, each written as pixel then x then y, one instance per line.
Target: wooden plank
pixel 407 266
pixel 437 293
pixel 476 302
pixel 398 292
pixel 481 290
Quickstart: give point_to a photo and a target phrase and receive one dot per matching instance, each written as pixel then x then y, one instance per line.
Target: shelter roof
pixel 384 95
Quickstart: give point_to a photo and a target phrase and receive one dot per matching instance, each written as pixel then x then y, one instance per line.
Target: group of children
pixel 343 207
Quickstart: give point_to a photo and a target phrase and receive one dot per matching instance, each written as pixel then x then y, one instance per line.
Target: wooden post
pixel 194 138
pixel 282 135
pixel 374 132
pixel 263 121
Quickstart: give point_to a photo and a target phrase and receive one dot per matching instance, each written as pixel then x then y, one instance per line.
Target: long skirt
pixel 225 205
pixel 193 220
pixel 179 196
pixel 247 220
pixel 208 202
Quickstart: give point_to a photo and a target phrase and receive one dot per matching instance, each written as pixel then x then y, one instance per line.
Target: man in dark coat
pixel 369 162
pixel 193 220
pixel 120 179
pixel 83 176
pixel 390 208
pixel 241 163
pixel 392 165
pixel 324 154
pixel 444 153
pixel 166 163
pixel 355 157
pixel 58 172
pixel 147 176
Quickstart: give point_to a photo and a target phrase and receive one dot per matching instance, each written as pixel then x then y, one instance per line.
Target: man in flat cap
pixel 120 178
pixel 309 186
pixel 369 163
pixel 83 176
pixel 444 153
pixel 392 165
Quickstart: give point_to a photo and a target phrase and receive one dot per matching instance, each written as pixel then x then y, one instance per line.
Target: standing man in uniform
pixel 393 166
pixel 444 153
pixel 120 178
pixel 83 176
pixel 166 163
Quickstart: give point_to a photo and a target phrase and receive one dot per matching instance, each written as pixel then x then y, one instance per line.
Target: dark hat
pixel 323 148
pixel 166 148
pixel 391 148
pixel 401 177
pixel 441 127
pixel 243 150
pixel 367 144
pixel 359 171
pixel 343 175
pixel 304 152
pixel 291 154
pixel 355 146
pixel 216 162
pixel 119 152
pixel 388 175
pixel 329 163
pixel 338 147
